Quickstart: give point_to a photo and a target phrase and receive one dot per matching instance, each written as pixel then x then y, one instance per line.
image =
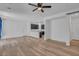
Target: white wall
pixel 58 29
pixel 16 25
pixel 14 28
pixel 34 33
pixel 48 29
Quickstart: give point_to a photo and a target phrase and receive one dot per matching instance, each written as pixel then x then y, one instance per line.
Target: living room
pixel 34 29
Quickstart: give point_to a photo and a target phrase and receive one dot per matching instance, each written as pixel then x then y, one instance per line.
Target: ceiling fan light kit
pixel 39 8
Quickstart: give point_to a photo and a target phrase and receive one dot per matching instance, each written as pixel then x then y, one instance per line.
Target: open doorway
pixel 75 29
pixel 41 34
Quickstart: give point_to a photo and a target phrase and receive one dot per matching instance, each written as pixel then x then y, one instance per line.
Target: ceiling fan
pixel 39 7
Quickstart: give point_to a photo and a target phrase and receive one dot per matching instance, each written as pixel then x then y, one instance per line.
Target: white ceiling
pixel 24 8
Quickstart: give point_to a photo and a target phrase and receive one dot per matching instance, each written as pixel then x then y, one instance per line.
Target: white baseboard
pixel 6 37
pixel 66 42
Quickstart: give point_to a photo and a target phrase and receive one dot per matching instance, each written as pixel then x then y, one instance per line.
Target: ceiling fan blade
pixel 46 6
pixel 42 10
pixel 32 4
pixel 35 9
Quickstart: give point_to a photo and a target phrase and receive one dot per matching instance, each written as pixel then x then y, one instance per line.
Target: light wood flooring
pixel 28 46
pixel 74 42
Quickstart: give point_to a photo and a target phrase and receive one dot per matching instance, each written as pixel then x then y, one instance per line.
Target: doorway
pixel 75 29
pixel 0 27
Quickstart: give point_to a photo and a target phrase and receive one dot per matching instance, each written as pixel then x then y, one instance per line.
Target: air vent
pixel 72 12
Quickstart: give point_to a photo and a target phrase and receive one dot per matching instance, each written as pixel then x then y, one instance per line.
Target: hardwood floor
pixel 28 46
